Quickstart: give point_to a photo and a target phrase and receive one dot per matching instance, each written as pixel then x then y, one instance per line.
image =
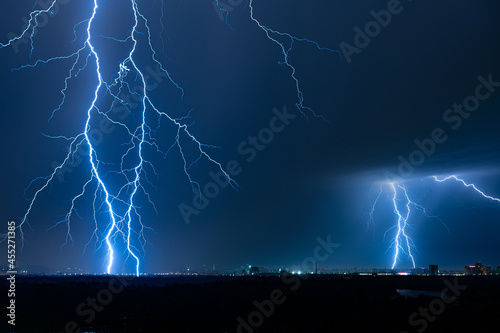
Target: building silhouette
pixel 476 269
pixel 254 270
pixel 433 270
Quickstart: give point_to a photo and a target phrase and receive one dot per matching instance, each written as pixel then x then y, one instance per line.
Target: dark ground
pixel 325 303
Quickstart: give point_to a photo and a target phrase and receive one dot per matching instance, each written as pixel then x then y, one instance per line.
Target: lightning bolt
pixel 32 25
pixel 119 205
pixel 371 219
pixel 404 208
pixel 453 177
pixel 117 184
pixel 401 240
pixel 286 48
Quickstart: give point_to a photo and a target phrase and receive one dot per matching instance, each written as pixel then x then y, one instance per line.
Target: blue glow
pixel 404 207
pixel 120 205
pixel 120 224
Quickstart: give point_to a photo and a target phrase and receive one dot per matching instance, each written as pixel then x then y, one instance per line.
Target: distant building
pixel 433 270
pixel 420 271
pixel 476 269
pixel 250 270
pixel 480 267
pixel 253 270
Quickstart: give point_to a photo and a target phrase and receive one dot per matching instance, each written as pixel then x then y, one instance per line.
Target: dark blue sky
pixel 314 178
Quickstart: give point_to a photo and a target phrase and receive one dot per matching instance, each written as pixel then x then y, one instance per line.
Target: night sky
pixel 316 177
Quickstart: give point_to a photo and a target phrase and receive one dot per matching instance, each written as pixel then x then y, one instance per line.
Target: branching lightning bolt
pixel 119 205
pixel 32 25
pixel 123 222
pixel 286 48
pixel 403 208
pixel 441 180
pixel 401 241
